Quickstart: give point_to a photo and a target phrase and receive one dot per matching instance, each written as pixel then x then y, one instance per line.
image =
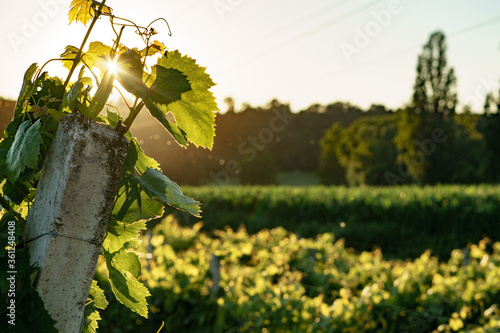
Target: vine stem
pixel 133 114
pixel 80 51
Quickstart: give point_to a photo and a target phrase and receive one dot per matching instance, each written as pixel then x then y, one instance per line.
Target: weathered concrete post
pixel 68 220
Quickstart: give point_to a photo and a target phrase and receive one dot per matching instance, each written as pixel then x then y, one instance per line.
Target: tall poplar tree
pixel 429 116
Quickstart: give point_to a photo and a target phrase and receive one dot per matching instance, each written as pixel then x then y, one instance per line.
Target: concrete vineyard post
pixel 68 220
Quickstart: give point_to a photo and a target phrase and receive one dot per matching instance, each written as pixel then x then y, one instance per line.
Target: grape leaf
pixel 91 313
pixel 25 149
pixel 193 115
pixel 133 204
pixel 136 158
pixel 171 127
pixel 90 325
pixel 24 94
pixel 119 234
pixel 153 49
pixel 68 55
pixel 128 291
pixel 83 11
pixel 168 85
pixel 194 112
pixel 130 73
pixel 128 262
pixel 97 295
pixel 97 56
pixel 160 188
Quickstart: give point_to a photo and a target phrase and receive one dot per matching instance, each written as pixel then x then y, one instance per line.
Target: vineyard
pixel 402 221
pixel 274 281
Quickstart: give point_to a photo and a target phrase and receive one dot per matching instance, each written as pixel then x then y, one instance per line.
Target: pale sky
pixel 300 52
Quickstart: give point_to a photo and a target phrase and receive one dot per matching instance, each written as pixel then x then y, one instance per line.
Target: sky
pixel 300 52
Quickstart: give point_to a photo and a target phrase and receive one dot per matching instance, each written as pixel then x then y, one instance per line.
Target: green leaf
pixel 133 204
pixel 90 325
pixel 136 158
pixel 159 187
pixel 25 92
pixel 25 149
pixel 168 85
pixel 194 112
pixel 119 234
pixel 83 11
pixel 194 116
pixel 102 94
pixel 68 55
pixel 127 262
pixel 97 295
pixel 16 192
pixel 130 73
pixel 50 91
pixel 196 75
pixel 72 96
pixel 153 49
pixel 91 313
pixel 98 55
pixel 171 127
pixel 128 291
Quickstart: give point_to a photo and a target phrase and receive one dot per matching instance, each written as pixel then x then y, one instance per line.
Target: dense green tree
pixel 259 170
pixel 425 136
pixel 330 171
pixel 366 152
pixel 489 127
pixel 360 154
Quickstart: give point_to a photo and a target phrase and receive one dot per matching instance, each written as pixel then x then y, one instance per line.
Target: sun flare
pixel 112 67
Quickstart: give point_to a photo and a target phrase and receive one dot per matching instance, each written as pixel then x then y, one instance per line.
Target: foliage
pixel 175 84
pixel 274 281
pixel 432 107
pixel 330 170
pixel 261 170
pixel 404 221
pixel 361 153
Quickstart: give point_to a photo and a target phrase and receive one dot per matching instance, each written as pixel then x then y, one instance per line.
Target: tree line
pixel 423 142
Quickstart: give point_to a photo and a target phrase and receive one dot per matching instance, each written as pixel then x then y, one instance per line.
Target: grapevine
pixel 175 84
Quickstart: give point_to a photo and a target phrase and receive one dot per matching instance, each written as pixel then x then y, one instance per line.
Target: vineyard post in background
pixel 68 221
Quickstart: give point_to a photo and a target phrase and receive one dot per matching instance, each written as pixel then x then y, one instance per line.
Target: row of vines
pixel 273 281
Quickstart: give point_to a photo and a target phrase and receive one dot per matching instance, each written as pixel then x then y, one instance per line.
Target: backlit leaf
pixel 83 11
pixel 97 295
pixel 25 89
pixel 133 204
pixel 159 187
pixel 119 234
pixel 127 290
pixel 168 85
pixel 194 112
pixel 178 134
pixel 25 149
pixel 130 73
